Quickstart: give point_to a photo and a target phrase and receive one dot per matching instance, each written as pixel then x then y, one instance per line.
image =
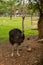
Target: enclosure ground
pixel 30 52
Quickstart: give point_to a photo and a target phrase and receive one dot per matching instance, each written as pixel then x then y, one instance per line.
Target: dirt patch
pixel 27 57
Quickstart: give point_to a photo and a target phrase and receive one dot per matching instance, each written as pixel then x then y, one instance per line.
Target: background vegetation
pixel 6 25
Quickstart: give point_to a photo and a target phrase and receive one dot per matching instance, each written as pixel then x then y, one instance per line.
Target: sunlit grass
pixel 6 25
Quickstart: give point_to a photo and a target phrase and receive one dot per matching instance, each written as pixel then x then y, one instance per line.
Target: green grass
pixel 6 25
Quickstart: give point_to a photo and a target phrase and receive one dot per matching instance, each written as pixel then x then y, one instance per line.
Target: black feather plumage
pixel 16 36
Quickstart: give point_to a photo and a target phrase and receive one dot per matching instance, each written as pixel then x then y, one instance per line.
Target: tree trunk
pixel 11 15
pixel 40 26
pixel 31 20
pixel 40 22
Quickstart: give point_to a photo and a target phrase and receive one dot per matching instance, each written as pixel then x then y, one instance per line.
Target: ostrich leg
pixel 18 51
pixel 12 51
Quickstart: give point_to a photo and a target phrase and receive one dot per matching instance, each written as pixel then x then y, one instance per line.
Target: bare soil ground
pixel 30 50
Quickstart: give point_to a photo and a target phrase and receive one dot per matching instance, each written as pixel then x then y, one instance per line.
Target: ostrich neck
pixel 23 24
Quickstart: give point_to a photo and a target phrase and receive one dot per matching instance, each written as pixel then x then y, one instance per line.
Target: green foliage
pixel 7 6
pixel 3 7
pixel 32 7
pixel 11 6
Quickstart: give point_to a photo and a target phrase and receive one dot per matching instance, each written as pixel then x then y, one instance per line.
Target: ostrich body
pixel 16 36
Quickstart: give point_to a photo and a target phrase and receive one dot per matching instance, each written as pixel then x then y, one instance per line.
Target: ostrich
pixel 16 36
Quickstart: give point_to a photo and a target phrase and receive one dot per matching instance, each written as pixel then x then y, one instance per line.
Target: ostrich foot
pixel 12 54
pixel 18 54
